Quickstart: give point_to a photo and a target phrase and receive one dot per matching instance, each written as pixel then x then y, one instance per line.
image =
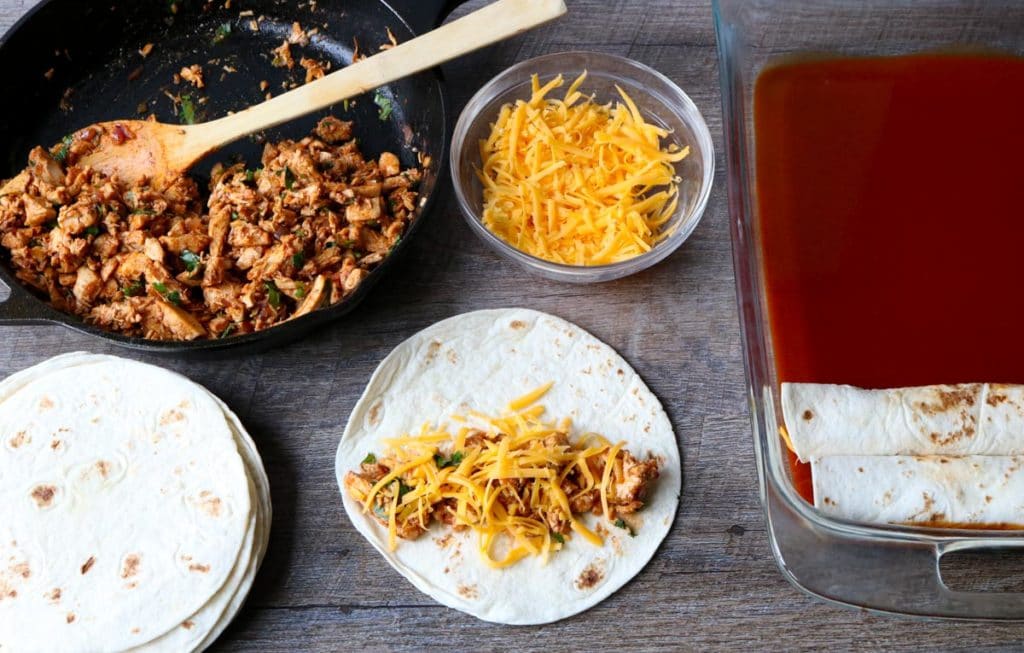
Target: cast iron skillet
pixel 92 48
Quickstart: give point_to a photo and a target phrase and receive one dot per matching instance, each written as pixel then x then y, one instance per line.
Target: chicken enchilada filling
pixel 298 233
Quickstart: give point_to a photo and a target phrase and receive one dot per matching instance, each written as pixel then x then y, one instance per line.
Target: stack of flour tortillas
pixel 134 509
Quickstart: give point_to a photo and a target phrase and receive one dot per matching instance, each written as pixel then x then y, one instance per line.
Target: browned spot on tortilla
pixel 944 461
pixel 518 324
pixel 808 415
pixel 432 350
pixel 22 569
pixel 995 398
pixel 452 357
pixel 591 576
pixel 45 403
pixel 619 372
pixel 195 566
pixel 948 399
pixel 43 495
pixel 187 625
pixel 210 504
pixel 130 586
pixel 55 444
pixel 468 591
pixel 53 595
pixel 88 564
pixel 617 545
pixel 988 498
pixel 130 566
pixel 70 618
pixel 446 570
pixel 828 501
pixel 860 469
pixel 929 502
pixel 171 416
pixel 136 630
pixel 103 467
pixel 20 438
pixel 375 413
pixel 7 590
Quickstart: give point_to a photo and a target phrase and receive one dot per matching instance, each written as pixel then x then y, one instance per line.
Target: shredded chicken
pixel 283 56
pixel 297 234
pixel 298 36
pixel 314 69
pixel 193 75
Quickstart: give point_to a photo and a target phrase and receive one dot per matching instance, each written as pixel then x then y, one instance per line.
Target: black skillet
pixel 71 63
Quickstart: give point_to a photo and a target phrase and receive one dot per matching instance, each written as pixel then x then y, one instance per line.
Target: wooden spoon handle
pixel 495 22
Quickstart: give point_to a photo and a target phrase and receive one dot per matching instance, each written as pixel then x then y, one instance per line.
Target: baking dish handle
pixel 891 572
pixel 17 306
pixel 424 15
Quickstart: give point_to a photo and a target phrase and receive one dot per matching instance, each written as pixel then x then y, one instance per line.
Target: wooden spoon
pixel 134 149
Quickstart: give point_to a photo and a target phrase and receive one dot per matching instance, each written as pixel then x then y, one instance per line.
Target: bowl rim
pixel 683 106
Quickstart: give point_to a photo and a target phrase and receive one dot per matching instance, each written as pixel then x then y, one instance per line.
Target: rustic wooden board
pixel 714 584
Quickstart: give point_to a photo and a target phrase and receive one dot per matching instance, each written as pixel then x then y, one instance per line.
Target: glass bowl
pixel 660 101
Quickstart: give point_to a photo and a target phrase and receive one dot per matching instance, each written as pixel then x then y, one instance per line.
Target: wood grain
pixel 713 585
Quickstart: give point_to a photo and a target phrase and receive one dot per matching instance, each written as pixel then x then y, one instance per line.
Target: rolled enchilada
pixel 984 419
pixel 940 455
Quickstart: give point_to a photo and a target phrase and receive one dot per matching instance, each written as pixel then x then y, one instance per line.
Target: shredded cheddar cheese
pixel 515 479
pixel 577 182
pixel 785 438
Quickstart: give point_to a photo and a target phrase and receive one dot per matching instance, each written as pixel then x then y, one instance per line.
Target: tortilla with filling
pixel 953 420
pixel 480 361
pixel 965 491
pixel 941 455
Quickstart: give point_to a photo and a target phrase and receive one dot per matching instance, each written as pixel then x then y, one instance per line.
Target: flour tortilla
pixel 481 361
pixel 206 625
pixel 165 442
pixel 953 420
pixel 925 490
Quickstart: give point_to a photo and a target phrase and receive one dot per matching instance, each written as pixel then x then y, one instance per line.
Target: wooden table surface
pixel 713 584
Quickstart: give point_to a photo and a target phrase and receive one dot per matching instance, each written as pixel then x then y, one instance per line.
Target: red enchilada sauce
pixel 891 199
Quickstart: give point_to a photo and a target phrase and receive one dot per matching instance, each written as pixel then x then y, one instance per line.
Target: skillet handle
pixel 424 15
pixel 17 306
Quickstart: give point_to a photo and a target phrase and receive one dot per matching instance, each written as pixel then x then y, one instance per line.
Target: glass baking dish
pixel 887 569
